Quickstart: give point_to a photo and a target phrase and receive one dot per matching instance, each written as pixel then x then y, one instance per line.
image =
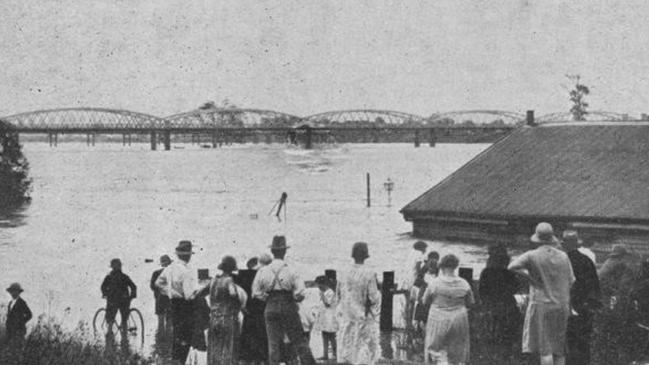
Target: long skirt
pixel 254 340
pixel 359 342
pixel 448 330
pixel 545 328
pixel 223 339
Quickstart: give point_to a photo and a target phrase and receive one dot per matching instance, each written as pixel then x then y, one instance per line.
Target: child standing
pixel 326 319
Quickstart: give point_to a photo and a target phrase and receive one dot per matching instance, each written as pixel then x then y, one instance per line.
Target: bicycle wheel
pixel 99 321
pixel 135 326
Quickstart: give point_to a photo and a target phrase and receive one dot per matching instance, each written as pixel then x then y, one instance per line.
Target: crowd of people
pixel 263 318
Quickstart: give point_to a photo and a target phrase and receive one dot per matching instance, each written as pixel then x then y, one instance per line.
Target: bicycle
pixel 134 325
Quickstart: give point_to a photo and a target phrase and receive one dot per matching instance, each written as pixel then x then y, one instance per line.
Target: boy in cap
pixel 119 290
pixel 18 315
pixel 161 299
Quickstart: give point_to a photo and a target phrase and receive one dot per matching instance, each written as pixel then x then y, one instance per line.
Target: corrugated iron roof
pixel 597 171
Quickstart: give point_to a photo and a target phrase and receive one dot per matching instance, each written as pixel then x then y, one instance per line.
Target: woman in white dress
pixel 359 303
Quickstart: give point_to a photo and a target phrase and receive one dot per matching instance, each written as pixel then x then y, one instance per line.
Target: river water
pixel 91 204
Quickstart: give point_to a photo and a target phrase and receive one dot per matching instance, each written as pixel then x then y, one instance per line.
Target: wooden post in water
pixel 167 139
pixel 432 137
pixel 386 301
pixel 92 141
pixel 331 275
pixel 49 138
pixel 367 175
pixel 417 138
pixel 56 139
pixel 154 141
pixel 214 140
pixel 123 139
pixel 88 139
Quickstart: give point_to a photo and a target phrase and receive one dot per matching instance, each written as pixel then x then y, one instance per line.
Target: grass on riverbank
pixel 48 343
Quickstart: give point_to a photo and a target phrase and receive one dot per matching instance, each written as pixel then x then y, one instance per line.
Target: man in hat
pixel 282 288
pixel 584 298
pixel 119 290
pixel 618 274
pixel 18 315
pixel 162 306
pixel 550 275
pixel 179 281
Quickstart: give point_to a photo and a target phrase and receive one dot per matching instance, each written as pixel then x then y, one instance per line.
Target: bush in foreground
pixel 48 343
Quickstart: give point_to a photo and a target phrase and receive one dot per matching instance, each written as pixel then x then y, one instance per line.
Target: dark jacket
pixel 118 287
pixel 585 292
pixel 17 317
pixel 161 301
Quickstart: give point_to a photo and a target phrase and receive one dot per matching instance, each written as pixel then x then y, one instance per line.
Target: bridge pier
pixel 88 139
pixel 432 137
pixel 167 140
pixel 154 141
pixel 129 139
pixel 268 138
pixel 308 137
pixel 92 140
pixel 124 139
pixel 416 138
pixel 214 139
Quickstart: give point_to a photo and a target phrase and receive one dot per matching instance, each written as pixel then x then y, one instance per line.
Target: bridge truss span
pixel 232 118
pixel 359 117
pixel 84 119
pixel 477 117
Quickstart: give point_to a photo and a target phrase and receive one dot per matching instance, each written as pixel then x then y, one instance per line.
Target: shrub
pixel 14 168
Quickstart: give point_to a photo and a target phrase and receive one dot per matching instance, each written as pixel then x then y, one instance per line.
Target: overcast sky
pixel 303 57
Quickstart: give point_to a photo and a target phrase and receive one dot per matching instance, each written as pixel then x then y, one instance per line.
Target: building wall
pixel 517 233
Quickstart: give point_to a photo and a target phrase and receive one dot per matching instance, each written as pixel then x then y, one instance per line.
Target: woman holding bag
pixel 226 300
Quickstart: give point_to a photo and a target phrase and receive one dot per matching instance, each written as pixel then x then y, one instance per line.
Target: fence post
pixel 386 301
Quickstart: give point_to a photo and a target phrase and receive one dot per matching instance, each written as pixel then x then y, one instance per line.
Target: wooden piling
pixel 367 177
pixel 154 141
pixel 416 138
pixel 308 136
pixel 167 140
pixel 331 275
pixel 387 293
pixel 432 137
pixel 214 139
pixel 88 139
pixel 123 139
pixel 92 140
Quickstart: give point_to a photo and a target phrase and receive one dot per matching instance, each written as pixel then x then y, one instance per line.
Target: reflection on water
pixel 12 218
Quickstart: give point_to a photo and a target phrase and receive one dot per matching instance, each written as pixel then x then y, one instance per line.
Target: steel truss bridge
pixel 240 124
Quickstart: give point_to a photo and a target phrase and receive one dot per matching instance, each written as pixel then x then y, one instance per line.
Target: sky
pixel 304 57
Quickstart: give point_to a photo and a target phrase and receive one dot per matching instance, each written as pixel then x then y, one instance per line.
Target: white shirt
pixel 178 280
pixel 589 253
pixel 11 304
pixel 288 280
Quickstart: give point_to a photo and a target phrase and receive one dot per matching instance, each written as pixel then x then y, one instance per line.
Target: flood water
pixel 91 204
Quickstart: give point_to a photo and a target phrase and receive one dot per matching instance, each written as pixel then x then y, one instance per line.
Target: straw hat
pixel 184 248
pixel 619 250
pixel 544 234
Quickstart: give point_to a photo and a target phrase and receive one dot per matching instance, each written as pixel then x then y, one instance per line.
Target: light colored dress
pixel 359 303
pixel 326 319
pixel 226 300
pixel 546 317
pixel 447 327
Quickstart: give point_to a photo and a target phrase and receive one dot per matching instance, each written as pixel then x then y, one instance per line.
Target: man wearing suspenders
pixel 281 287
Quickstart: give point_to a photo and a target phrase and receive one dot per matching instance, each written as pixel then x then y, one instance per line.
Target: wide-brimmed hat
pixel 228 264
pixel 544 234
pixel 619 250
pixel 420 246
pixel 184 248
pixel 360 250
pixel 571 236
pixel 279 243
pixel 15 287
